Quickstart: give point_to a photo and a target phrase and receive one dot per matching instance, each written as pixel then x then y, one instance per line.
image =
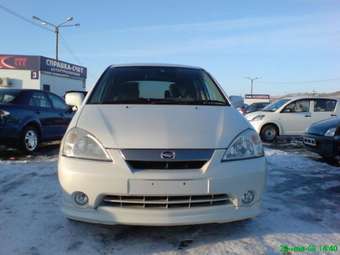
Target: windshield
pixel 8 96
pixel 156 85
pixel 274 106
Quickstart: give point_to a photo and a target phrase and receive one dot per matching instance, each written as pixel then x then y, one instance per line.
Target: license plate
pixel 309 141
pixel 165 187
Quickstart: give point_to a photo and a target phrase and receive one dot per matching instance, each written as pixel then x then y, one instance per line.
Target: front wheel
pixel 269 133
pixel 29 139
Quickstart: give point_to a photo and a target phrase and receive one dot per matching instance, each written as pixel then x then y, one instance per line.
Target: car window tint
pixel 8 96
pixel 324 105
pixel 152 85
pixel 298 106
pixel 57 102
pixel 211 89
pixel 39 100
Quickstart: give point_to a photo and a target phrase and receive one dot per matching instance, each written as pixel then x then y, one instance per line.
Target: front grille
pixel 139 165
pixel 146 159
pixel 165 202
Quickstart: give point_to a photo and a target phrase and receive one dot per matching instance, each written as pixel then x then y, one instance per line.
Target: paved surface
pixel 300 207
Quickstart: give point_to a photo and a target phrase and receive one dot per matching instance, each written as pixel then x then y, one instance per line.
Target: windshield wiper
pixel 126 101
pixel 209 102
pixel 164 101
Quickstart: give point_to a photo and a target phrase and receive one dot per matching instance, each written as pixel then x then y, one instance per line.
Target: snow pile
pixel 301 207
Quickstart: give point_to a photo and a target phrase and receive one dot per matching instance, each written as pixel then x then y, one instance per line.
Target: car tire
pixel 269 133
pixel 30 140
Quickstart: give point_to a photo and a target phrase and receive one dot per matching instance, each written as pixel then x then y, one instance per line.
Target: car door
pixel 324 108
pixel 42 107
pixel 64 113
pixel 296 117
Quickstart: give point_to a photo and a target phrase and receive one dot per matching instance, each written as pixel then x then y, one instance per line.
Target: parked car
pixel 236 101
pixel 323 137
pixel 159 145
pixel 254 107
pixel 292 116
pixel 242 109
pixel 29 117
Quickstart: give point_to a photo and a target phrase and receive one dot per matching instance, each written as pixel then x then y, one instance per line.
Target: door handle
pixel 308 115
pixel 37 112
pixel 333 115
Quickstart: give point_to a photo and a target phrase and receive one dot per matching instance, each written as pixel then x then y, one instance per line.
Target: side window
pixel 298 106
pixel 324 105
pixel 57 102
pixel 38 99
pixel 212 90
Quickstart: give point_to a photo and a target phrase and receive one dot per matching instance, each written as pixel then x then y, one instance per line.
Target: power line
pixel 74 56
pixel 56 29
pixel 17 15
pixel 70 51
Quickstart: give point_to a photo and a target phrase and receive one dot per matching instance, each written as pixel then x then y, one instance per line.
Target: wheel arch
pixel 35 124
pixel 274 124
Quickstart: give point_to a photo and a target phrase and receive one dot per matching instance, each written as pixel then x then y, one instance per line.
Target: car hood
pixel 320 127
pixel 162 126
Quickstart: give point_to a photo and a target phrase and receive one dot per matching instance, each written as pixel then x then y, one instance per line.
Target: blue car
pixel 29 117
pixel 323 137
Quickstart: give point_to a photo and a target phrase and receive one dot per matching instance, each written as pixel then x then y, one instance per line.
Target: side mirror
pixel 74 99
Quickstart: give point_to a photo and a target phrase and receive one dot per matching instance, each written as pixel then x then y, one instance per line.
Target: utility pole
pixel 56 30
pixel 252 82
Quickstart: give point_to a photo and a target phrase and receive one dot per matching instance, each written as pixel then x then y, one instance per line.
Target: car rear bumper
pixel 100 179
pixel 323 145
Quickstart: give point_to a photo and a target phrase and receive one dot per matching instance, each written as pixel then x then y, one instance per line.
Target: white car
pixel 292 116
pixel 159 145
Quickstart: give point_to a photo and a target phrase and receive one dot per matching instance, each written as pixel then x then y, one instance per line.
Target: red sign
pixel 19 62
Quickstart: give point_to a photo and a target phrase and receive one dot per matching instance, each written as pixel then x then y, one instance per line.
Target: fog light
pixel 248 197
pixel 80 198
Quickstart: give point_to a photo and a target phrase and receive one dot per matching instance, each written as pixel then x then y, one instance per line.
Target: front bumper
pixel 146 217
pixel 325 146
pixel 98 179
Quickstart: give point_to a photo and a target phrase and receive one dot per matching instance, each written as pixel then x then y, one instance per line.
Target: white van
pixel 159 145
pixel 292 116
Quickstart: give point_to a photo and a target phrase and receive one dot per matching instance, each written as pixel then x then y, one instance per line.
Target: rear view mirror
pixel 74 99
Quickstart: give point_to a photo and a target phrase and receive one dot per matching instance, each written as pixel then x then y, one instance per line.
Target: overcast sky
pixel 293 45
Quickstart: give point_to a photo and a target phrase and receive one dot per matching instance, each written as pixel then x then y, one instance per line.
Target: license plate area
pixel 309 141
pixel 168 187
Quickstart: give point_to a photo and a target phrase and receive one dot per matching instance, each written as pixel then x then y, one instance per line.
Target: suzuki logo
pixel 168 155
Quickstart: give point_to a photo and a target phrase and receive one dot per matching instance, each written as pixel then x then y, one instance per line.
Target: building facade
pixel 38 72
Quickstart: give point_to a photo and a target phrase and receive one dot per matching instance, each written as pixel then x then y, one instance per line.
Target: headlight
pixel 3 113
pixel 78 143
pixel 258 117
pixel 246 145
pixel 330 132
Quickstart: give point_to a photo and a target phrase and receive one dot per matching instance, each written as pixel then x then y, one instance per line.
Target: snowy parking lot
pixel 301 207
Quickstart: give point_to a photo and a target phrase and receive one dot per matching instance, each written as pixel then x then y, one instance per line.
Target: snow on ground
pixel 301 207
